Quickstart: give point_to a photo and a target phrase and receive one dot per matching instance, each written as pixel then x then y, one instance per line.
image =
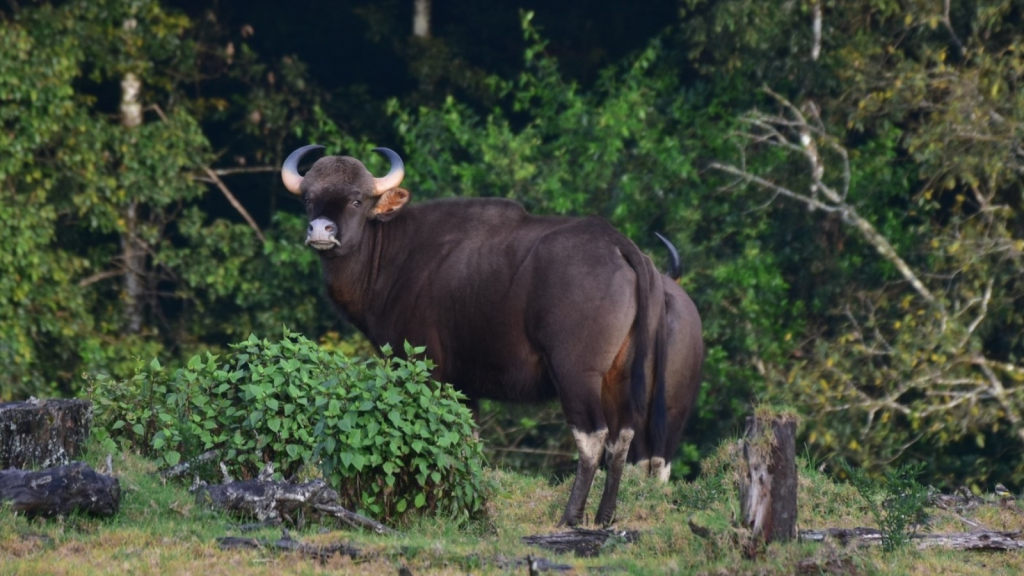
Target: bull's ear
pixel 390 203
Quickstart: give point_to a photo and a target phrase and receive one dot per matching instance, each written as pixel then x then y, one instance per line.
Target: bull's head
pixel 341 195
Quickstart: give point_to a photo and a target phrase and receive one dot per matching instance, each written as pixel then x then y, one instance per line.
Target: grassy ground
pixel 160 530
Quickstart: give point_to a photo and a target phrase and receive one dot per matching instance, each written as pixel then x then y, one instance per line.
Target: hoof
pixel 570 522
pixel 605 518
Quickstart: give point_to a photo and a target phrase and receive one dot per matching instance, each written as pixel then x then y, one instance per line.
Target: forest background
pixel 843 181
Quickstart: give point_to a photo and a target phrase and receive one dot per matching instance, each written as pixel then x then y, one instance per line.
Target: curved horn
pixel 290 168
pixel 675 268
pixel 394 177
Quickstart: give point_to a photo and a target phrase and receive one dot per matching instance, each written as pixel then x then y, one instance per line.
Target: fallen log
pixel 269 502
pixel 581 542
pixel 60 491
pixel 982 540
pixel 353 519
pixel 43 433
pixel 286 542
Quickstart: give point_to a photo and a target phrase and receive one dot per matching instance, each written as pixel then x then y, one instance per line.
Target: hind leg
pixel 616 461
pixel 590 445
pixel 581 402
pixel 594 417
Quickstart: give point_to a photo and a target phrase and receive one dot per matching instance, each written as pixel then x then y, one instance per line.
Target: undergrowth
pixel 383 434
pixel 161 530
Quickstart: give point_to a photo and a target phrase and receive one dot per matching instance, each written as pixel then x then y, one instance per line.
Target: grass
pixel 160 530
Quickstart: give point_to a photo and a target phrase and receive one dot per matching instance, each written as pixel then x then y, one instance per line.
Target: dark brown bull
pixel 510 306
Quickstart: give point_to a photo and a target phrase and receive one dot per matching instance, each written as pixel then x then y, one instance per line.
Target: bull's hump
pixel 473 206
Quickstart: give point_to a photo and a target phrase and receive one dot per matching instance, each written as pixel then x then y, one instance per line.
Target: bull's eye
pixel 356 203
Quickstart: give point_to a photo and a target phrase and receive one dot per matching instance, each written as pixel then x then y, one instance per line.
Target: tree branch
pixel 88 280
pixel 806 137
pixel 245 170
pixel 234 202
pixel 949 27
pixel 223 188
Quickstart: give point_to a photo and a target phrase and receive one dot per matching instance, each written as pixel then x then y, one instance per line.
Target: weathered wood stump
pixel 60 491
pixel 43 433
pixel 768 478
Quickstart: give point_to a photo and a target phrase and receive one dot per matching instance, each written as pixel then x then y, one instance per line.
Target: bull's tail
pixel 641 328
pixel 657 417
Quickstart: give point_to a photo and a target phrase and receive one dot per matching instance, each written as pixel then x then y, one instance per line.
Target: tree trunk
pixel 49 433
pixel 60 491
pixel 132 251
pixel 768 480
pixel 421 19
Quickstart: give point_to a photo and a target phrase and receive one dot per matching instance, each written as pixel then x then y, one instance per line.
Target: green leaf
pixel 172 457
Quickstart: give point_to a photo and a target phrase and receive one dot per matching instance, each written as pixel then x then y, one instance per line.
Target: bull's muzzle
pixel 321 234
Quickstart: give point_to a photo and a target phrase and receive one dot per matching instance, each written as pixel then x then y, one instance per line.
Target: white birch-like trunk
pixel 132 251
pixel 421 19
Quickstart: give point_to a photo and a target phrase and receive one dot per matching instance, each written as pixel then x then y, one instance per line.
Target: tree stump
pixel 43 433
pixel 768 478
pixel 60 491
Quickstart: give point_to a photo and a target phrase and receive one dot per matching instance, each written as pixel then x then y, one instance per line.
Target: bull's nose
pixel 321 234
pixel 329 228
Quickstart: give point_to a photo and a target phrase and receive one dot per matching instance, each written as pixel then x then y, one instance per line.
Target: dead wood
pixel 768 479
pixel 184 467
pixel 268 501
pixel 60 491
pixel 982 540
pixel 286 542
pixel 582 542
pixel 43 434
pixel 354 519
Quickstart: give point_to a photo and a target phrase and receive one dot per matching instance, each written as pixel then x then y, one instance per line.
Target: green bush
pixel 380 431
pixel 897 502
